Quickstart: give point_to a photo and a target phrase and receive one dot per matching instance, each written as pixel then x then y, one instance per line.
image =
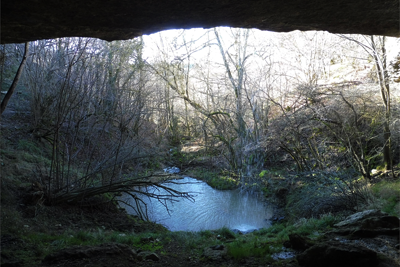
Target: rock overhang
pixel 110 20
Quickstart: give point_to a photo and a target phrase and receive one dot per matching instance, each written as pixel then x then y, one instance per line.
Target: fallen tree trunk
pixel 131 187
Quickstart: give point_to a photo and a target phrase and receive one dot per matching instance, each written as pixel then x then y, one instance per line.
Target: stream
pixel 212 209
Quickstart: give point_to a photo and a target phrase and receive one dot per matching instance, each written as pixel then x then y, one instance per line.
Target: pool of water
pixel 211 209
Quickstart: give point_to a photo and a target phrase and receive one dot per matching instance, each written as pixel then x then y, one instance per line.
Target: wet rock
pixel 172 170
pixel 357 241
pixel 369 223
pixel 355 218
pixel 283 255
pixel 217 252
pixel 147 255
pixel 217 247
pixel 278 219
pixel 367 233
pixel 333 254
pixel 380 222
pixel 86 252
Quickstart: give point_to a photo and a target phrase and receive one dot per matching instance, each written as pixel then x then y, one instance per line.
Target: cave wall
pixel 29 20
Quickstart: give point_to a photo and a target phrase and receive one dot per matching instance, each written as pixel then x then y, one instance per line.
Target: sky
pixel 297 55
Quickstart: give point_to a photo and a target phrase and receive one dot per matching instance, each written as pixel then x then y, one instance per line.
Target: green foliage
pixel 308 227
pixel 318 193
pixel 206 234
pixel 84 236
pixel 263 173
pixel 225 233
pixel 389 194
pixel 381 167
pixel 47 243
pixel 277 173
pixel 223 183
pixel 242 249
pixel 191 241
pixel 312 225
pixel 221 180
pixel 225 180
pixel 11 220
pixel 181 157
pixel 267 192
pixel 34 158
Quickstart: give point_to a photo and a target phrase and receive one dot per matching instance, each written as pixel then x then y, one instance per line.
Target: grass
pixel 11 218
pixel 261 244
pixel 47 243
pixel 265 242
pixel 307 227
pixel 242 249
pixel 225 233
pixel 388 192
pixel 191 241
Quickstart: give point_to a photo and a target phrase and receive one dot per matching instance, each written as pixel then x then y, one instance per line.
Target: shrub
pixel 28 146
pixel 328 192
pixel 389 194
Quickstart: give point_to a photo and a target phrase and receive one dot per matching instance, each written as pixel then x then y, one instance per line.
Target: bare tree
pixel 16 80
pixel 90 109
pixel 375 46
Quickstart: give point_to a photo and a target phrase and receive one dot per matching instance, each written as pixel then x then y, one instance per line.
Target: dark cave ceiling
pixel 29 20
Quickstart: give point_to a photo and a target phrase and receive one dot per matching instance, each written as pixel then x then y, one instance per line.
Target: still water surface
pixel 212 209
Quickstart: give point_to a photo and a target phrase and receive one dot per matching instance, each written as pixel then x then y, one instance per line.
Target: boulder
pixel 172 170
pixel 217 252
pixel 334 254
pixel 359 249
pixel 368 223
pixel 86 252
pixel 147 255
pixel 355 218
pixel 299 242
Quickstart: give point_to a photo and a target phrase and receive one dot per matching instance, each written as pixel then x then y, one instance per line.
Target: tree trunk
pixel 383 77
pixel 15 81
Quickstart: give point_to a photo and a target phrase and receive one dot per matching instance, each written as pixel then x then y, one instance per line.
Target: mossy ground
pixel 218 179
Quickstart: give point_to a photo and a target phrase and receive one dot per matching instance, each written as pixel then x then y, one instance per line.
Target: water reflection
pixel 212 209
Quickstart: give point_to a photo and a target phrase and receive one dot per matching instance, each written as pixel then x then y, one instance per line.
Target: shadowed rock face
pixel 29 20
